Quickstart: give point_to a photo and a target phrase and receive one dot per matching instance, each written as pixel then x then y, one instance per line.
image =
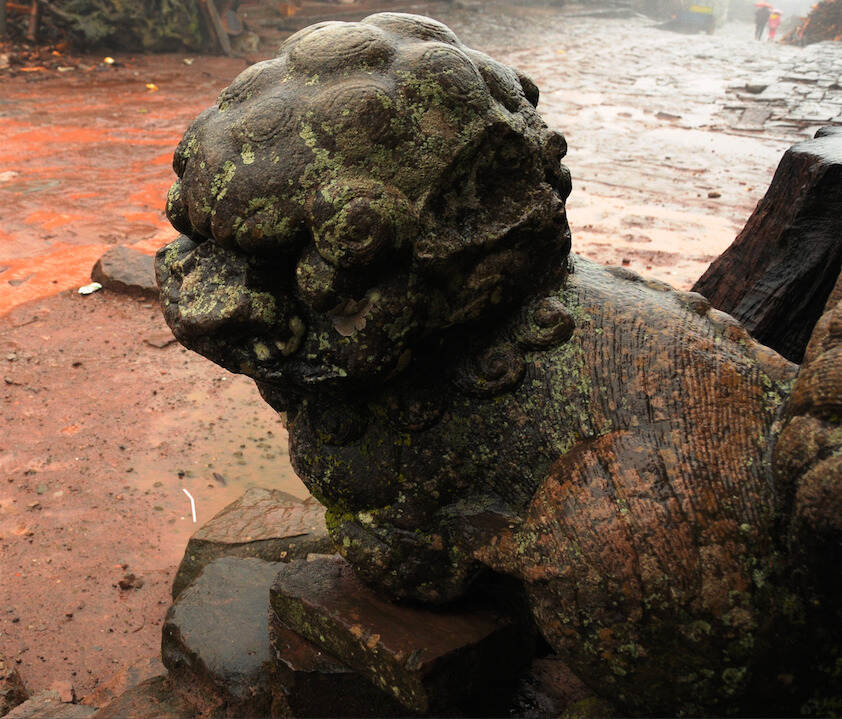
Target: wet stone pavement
pixel 672 138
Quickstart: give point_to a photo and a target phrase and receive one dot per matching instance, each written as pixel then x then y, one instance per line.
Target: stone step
pixel 264 523
pixel 216 645
pixel 429 660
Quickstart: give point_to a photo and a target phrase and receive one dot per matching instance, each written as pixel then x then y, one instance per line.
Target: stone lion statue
pixel 373 229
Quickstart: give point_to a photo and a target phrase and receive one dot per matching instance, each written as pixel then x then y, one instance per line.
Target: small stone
pixel 128 271
pixel 65 691
pixel 160 340
pixel 12 690
pixel 130 581
pixel 127 678
pixel 713 194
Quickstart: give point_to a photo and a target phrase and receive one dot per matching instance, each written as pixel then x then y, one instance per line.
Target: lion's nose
pixel 210 291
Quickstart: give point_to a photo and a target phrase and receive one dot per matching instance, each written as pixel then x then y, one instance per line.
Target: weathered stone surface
pixel 264 523
pixel 12 690
pixel 127 678
pixel 310 683
pixel 776 276
pixel 463 395
pixel 48 705
pixel 126 270
pixel 429 660
pixel 216 638
pixel 151 699
pixel 64 689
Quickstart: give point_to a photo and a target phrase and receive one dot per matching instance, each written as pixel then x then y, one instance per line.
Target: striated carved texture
pixel 375 232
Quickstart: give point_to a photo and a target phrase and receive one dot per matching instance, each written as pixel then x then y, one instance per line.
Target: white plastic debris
pixel 192 503
pixel 90 289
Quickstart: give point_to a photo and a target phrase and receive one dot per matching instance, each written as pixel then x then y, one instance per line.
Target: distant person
pixel 774 22
pixel 761 17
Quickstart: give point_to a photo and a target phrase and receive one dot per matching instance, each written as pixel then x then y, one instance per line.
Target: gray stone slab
pixel 215 639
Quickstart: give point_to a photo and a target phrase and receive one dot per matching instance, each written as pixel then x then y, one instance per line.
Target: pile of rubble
pixel 823 23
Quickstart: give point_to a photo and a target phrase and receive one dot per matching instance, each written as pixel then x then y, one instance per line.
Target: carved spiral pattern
pixel 495 370
pixel 547 323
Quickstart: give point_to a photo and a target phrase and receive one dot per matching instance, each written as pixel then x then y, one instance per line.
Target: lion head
pixel 373 186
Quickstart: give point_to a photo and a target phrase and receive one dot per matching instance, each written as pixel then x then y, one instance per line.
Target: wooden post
pixel 34 21
pixel 216 26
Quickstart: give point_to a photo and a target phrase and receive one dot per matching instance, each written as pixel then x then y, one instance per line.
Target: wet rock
pixel 151 699
pixel 311 683
pixel 429 660
pixel 48 705
pixel 216 638
pixel 263 523
pixel 128 271
pixel 127 678
pixel 777 275
pixel 547 689
pixel 12 690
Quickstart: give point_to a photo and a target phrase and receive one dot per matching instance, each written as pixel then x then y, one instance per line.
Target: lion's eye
pixel 357 235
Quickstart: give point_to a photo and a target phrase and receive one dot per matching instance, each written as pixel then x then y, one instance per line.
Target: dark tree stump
pixel 777 275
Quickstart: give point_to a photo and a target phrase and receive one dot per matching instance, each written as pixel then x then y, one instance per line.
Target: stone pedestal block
pixel 429 660
pixel 264 523
pixel 311 683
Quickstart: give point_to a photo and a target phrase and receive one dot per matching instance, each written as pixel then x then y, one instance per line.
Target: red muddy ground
pixel 101 429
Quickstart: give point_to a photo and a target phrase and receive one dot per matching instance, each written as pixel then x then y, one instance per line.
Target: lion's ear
pixel 530 89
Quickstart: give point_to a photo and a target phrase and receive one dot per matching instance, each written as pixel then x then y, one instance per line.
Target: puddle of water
pixel 235 441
